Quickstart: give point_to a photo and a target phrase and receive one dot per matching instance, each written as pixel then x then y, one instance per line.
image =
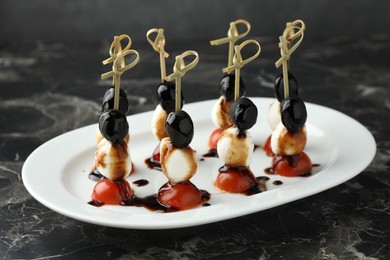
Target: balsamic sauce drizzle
pixel 151 202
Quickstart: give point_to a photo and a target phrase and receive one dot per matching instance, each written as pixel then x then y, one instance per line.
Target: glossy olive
pixel 243 112
pixel 166 96
pixel 294 114
pixel 180 128
pixel 279 86
pixel 108 101
pixel 113 126
pixel 226 87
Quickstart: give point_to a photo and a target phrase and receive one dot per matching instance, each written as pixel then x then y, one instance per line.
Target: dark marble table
pixel 47 89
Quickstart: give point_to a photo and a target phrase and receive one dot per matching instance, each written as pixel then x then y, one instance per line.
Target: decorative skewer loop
pixel 158 45
pixel 294 32
pixel 179 70
pixel 118 66
pixel 116 46
pixel 156 42
pixel 117 58
pixel 238 63
pixel 233 36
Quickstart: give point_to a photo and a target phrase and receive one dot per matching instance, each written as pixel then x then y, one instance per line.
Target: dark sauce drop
pixel 316 165
pixel 206 205
pixel 211 153
pixel 153 164
pixel 262 178
pixel 141 182
pixel 259 187
pixel 95 175
pixel 205 196
pixel 96 203
pixel 269 170
pixel 292 160
pixel 151 203
pixel 277 182
pixel 201 159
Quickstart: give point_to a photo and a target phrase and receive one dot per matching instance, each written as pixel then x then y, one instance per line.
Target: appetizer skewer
pixel 166 97
pixel 220 113
pixel 235 144
pixel 289 138
pixel 178 160
pixel 286 85
pixel 112 157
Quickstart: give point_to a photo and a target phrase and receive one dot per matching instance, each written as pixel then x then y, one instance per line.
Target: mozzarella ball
pixel 235 150
pixel 274 117
pixel 178 164
pixel 158 122
pixel 113 161
pixel 285 142
pixel 220 113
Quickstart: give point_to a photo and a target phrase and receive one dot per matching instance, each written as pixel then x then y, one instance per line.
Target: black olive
pixel 180 128
pixel 226 87
pixel 279 86
pixel 113 126
pixel 243 112
pixel 166 96
pixel 108 101
pixel 294 113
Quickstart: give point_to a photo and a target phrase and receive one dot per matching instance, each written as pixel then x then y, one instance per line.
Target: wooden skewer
pixel 158 45
pixel 238 63
pixel 179 70
pixel 233 36
pixel 117 58
pixel 117 78
pixel 286 49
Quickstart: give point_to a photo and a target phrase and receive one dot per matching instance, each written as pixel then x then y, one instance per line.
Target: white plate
pixel 56 173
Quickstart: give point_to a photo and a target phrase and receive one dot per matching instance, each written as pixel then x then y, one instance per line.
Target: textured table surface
pixel 47 89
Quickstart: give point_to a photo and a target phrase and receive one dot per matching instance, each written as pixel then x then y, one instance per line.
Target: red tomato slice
pixel 281 166
pixel 156 154
pixel 181 196
pixel 267 147
pixel 111 193
pixel 235 180
pixel 213 141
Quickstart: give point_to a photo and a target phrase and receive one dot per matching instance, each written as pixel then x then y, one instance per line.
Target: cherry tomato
pixel 132 168
pixel 213 141
pixel 281 166
pixel 112 193
pixel 267 147
pixel 156 154
pixel 181 196
pixel 235 181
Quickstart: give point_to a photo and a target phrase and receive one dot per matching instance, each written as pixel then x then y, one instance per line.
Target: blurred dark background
pixel 94 20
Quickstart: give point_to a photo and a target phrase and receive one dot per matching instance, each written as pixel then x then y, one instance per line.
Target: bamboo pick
pixel 238 63
pixel 294 31
pixel 117 58
pixel 158 45
pixel 179 70
pixel 233 36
